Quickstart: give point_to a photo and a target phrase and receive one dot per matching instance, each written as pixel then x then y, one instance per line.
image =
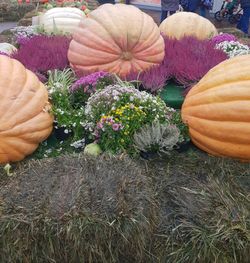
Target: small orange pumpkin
pixel 116 38
pixel 24 117
pixel 183 24
pixel 217 110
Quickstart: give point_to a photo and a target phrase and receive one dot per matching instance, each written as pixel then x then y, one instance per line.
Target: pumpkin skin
pixel 64 19
pixel 118 39
pixel 24 117
pixel 217 110
pixel 183 24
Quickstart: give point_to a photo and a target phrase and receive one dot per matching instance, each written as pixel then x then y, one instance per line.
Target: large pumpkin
pixel 62 19
pixel 187 24
pixel 116 38
pixel 24 117
pixel 217 110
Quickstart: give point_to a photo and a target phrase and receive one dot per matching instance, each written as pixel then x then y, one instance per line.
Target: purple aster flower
pixel 223 37
pixel 89 82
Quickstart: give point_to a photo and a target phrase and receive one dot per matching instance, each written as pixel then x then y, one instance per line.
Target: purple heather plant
pixel 223 37
pixel 89 82
pixel 152 79
pixel 42 53
pixel 186 61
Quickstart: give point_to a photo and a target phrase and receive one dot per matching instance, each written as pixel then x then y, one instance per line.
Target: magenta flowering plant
pixel 42 53
pixel 223 37
pixel 85 86
pixel 186 61
pixel 90 83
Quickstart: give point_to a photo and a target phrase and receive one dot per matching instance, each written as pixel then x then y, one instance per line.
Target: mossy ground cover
pixel 186 207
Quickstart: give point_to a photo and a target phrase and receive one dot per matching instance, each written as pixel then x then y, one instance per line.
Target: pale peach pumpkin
pixel 116 38
pixel 187 24
pixel 217 110
pixel 24 117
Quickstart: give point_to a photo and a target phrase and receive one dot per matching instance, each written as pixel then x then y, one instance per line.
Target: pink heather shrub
pixel 186 61
pixel 89 82
pixel 153 79
pixel 42 53
pixel 189 59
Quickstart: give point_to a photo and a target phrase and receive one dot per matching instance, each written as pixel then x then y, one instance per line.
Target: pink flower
pixel 116 126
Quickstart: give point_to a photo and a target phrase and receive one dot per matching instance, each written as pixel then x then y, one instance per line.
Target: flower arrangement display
pixel 233 48
pixel 115 113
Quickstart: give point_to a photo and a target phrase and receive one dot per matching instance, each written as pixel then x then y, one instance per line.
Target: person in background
pixel 205 6
pixel 243 24
pixel 199 6
pixel 170 6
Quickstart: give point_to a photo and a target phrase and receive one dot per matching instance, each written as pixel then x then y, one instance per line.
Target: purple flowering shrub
pixel 42 53
pixel 152 79
pixel 84 87
pixel 186 61
pixel 189 59
pixel 223 37
pixel 90 83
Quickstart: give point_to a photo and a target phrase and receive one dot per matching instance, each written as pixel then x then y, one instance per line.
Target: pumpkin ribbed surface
pixel 187 24
pixel 64 19
pixel 217 110
pixel 24 117
pixel 116 38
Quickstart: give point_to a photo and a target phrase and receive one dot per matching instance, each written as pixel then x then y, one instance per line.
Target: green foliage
pixel 183 128
pixel 67 115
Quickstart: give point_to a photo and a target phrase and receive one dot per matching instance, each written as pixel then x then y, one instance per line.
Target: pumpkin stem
pixel 126 55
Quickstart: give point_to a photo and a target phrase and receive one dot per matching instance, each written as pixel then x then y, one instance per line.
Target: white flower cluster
pixel 25 31
pixel 109 95
pixel 78 144
pixel 233 48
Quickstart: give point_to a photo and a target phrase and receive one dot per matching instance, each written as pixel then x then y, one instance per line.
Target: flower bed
pixel 115 206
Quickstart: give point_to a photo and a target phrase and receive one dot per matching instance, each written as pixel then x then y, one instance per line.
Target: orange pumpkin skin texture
pixel 183 24
pixel 24 117
pixel 118 39
pixel 217 110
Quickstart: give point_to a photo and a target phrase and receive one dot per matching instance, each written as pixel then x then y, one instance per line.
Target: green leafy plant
pixel 67 116
pixel 183 128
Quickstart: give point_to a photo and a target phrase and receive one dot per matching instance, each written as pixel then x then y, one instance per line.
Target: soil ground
pixel 7 25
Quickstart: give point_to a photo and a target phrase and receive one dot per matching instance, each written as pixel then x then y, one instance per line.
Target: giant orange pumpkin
pixel 116 38
pixel 24 117
pixel 187 24
pixel 217 110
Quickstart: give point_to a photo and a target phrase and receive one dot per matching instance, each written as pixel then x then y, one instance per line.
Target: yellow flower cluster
pixel 120 111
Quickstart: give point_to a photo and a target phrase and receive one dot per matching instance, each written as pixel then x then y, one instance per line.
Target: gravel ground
pixel 7 25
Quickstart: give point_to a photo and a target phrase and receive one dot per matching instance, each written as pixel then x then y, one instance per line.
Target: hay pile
pixel 187 208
